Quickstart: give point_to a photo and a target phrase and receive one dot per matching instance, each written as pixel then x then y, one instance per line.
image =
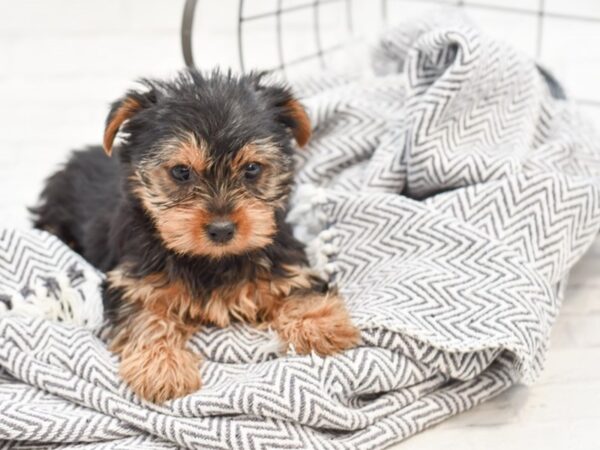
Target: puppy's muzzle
pixel 221 232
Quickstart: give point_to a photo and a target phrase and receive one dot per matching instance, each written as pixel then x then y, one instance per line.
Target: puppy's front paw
pixel 161 374
pixel 317 323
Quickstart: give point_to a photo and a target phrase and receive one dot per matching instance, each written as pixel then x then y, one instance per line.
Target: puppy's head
pixel 209 158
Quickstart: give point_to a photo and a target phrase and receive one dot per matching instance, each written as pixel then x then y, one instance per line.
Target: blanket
pixel 447 194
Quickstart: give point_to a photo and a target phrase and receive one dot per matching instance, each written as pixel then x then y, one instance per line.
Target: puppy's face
pixel 210 159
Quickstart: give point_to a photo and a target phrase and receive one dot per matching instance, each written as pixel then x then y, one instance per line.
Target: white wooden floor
pixel 63 61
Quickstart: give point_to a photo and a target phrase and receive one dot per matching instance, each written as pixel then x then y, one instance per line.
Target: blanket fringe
pixel 312 227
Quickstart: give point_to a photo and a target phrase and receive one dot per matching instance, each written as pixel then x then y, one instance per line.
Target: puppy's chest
pixel 248 300
pixel 256 299
pixel 252 299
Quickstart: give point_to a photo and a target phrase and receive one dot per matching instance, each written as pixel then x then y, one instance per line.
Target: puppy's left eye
pixel 181 173
pixel 252 171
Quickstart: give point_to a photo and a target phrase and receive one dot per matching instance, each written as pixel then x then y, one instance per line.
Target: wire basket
pixel 311 34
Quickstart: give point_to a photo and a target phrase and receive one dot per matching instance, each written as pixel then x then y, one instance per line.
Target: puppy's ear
pixel 121 111
pixel 295 118
pixel 289 111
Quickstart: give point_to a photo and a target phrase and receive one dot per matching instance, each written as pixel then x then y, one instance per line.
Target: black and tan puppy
pixel 190 224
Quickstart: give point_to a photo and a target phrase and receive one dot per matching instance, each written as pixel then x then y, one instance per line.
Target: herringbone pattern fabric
pixel 447 196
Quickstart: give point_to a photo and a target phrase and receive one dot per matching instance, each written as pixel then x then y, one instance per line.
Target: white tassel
pixel 311 227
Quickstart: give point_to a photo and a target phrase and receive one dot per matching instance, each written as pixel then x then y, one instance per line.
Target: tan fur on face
pixel 152 182
pixel 276 177
pixel 186 150
pixel 182 228
pixel 262 152
pixel 181 218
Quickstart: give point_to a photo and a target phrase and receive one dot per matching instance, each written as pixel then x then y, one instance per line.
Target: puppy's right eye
pixel 181 173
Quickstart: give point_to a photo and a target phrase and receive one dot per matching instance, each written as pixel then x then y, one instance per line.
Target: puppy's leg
pixel 316 322
pixel 309 319
pixel 156 323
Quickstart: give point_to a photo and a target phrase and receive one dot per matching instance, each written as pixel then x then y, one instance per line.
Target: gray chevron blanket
pixel 447 194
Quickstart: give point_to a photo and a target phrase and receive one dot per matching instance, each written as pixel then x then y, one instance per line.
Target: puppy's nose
pixel 221 232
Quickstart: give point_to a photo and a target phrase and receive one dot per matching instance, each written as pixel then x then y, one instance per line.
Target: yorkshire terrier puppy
pixel 189 224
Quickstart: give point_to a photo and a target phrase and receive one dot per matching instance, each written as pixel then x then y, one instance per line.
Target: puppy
pixel 189 223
